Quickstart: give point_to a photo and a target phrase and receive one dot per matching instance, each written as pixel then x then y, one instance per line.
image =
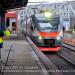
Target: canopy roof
pixel 11 4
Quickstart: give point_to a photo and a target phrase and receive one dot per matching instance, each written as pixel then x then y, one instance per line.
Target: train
pixel 45 30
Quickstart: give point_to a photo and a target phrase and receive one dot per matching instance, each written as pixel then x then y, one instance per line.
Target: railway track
pixel 68 53
pixel 68 56
pixel 63 65
pixel 68 46
pixel 64 60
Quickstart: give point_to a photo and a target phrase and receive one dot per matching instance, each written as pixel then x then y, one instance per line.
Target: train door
pixel 60 29
pixel 32 29
pixel 24 26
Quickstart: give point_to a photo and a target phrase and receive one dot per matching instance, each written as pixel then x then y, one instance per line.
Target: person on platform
pixel 2 34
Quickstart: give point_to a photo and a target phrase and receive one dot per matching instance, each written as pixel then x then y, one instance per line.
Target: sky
pixel 49 1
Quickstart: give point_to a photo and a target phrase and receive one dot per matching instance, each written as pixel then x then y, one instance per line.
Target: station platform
pixel 18 58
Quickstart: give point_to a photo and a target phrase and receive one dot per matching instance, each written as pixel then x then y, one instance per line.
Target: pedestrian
pixel 2 34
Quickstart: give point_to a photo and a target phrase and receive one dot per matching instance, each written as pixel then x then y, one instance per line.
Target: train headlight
pixel 58 38
pixel 40 38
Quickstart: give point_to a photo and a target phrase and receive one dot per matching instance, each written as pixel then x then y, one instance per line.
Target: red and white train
pixel 45 30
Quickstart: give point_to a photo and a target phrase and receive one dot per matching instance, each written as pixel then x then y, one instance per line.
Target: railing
pixel 69 35
pixel 69 38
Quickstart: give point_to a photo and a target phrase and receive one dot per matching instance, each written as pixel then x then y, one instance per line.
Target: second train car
pixel 45 30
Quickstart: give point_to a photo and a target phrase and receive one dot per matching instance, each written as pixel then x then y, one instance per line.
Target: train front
pixel 49 38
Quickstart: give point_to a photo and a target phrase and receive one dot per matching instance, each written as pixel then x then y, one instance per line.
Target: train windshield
pixel 51 25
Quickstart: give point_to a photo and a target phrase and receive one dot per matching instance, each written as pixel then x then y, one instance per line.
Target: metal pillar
pixel 2 28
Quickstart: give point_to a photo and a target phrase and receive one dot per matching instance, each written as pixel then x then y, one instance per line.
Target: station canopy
pixel 11 4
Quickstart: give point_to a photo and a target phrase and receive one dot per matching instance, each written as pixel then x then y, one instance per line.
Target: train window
pixel 48 25
pixel 52 23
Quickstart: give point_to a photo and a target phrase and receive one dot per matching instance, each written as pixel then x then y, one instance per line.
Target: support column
pixel 2 28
